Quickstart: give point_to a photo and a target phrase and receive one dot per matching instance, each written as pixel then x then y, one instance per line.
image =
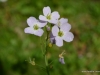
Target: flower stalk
pixel 47 67
pixel 46 50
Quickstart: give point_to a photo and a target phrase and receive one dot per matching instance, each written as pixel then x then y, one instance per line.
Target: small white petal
pixel 42 24
pixel 55 30
pixel 55 15
pixel 65 27
pixel 31 21
pixel 53 21
pixel 38 32
pixel 29 30
pixel 42 18
pixel 68 37
pixel 46 11
pixel 63 21
pixel 59 41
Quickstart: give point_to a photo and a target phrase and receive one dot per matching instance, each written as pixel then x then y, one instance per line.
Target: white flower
pixel 61 34
pixel 61 22
pixel 34 26
pixel 48 16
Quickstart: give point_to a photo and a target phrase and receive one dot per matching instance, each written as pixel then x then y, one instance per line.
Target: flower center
pixel 48 16
pixel 36 27
pixel 60 33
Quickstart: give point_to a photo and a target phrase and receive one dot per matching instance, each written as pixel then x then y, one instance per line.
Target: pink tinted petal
pixel 29 30
pixel 63 21
pixel 59 41
pixel 66 27
pixel 68 37
pixel 46 11
pixel 55 30
pixel 55 15
pixel 38 32
pixel 42 18
pixel 31 21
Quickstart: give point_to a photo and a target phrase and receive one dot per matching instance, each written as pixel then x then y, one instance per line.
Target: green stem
pixel 46 49
pixel 41 46
pixel 47 68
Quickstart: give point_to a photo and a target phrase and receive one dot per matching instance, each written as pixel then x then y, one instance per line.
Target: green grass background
pixel 82 54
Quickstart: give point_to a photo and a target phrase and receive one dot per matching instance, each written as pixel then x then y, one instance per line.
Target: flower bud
pixel 61 60
pixel 32 61
pixel 50 44
pixel 52 38
pixel 48 28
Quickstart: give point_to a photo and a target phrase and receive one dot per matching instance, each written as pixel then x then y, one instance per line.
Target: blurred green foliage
pixel 16 47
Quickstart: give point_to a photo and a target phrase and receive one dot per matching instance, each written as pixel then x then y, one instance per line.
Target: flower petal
pixel 68 37
pixel 53 21
pixel 31 21
pixel 63 21
pixel 42 18
pixel 46 11
pixel 59 41
pixel 65 27
pixel 55 30
pixel 39 32
pixel 42 23
pixel 55 15
pixel 29 30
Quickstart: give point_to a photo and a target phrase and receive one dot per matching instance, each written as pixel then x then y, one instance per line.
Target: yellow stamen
pixel 60 33
pixel 36 27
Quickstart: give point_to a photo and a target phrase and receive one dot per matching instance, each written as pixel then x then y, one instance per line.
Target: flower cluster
pixel 59 26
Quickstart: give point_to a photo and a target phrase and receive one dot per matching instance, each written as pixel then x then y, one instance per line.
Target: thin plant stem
pixel 45 54
pixel 46 62
pixel 40 66
pixel 41 46
pixel 46 49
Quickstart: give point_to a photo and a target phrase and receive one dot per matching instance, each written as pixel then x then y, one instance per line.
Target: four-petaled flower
pixel 48 16
pixel 34 26
pixel 61 34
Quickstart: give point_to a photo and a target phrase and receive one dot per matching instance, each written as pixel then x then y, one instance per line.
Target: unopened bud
pixel 32 61
pixel 61 60
pixel 52 38
pixel 48 28
pixel 50 44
